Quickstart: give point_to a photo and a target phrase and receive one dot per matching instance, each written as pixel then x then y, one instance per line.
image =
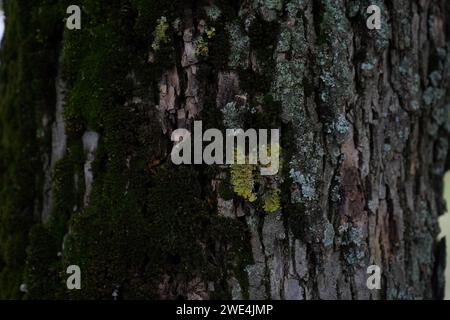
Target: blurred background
pixel 2 22
pixel 445 232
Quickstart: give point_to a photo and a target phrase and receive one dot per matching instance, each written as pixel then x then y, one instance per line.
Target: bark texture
pixel 87 115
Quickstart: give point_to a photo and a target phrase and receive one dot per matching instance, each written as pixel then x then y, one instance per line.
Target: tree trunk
pixel 86 122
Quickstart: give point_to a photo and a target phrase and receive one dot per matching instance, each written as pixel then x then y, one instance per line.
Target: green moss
pixel 136 227
pixel 44 272
pixel 43 266
pixel 29 57
pixel 270 117
pixel 219 46
pixel 235 238
pixel 97 85
pixel 211 116
pixel 263 38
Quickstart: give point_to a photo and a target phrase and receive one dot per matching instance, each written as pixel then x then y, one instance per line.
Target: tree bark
pixel 86 120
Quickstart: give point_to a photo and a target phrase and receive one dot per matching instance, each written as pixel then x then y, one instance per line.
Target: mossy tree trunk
pixel 86 118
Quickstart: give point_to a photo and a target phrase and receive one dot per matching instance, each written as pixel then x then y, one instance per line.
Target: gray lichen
pixel 306 183
pixel 294 6
pixel 232 115
pixel 328 237
pixel 213 12
pixel 268 9
pixel 240 46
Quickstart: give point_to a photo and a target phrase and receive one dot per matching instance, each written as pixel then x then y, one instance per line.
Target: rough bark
pixel 364 127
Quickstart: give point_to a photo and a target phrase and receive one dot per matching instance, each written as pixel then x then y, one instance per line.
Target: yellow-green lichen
pixel 210 32
pixel 242 180
pixel 160 33
pixel 244 177
pixel 272 200
pixel 201 45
